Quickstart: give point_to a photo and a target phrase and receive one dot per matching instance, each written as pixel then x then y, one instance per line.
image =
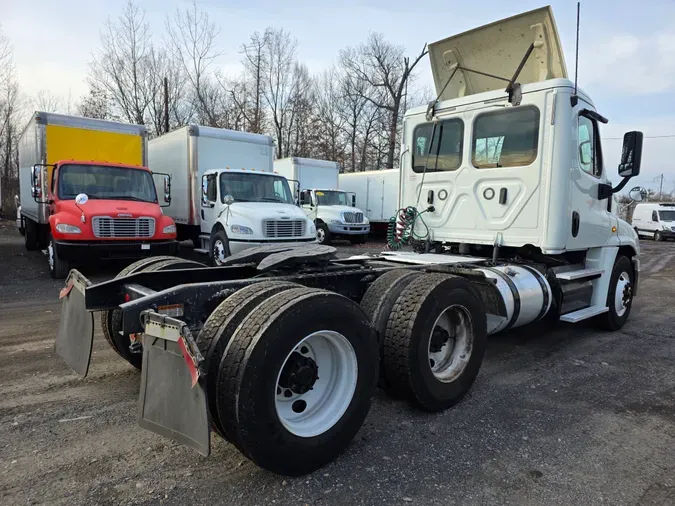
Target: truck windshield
pixel 332 198
pixel 105 182
pixel 250 187
pixel 667 215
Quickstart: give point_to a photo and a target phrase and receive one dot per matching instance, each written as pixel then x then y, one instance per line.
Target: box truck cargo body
pixel 376 193
pixel 333 210
pixel 226 195
pixel 85 192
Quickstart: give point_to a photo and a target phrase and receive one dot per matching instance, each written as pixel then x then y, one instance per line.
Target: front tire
pixel 296 381
pixel 58 267
pixel 323 235
pixel 658 237
pixel 619 295
pixel 219 249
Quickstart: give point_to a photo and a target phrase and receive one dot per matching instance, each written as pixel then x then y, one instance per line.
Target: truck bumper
pixel 237 246
pixel 82 251
pixel 349 229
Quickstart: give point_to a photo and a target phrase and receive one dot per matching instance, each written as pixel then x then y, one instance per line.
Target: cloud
pixel 630 64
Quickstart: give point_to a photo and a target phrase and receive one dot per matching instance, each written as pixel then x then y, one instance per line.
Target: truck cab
pixel 242 208
pixel 103 210
pixel 335 214
pixel 333 211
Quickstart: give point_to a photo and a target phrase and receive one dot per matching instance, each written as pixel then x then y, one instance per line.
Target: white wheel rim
pixel 50 255
pixel 320 234
pixel 623 294
pixel 317 410
pixel 218 251
pixel 450 351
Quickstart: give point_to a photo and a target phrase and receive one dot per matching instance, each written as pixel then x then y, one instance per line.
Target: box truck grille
pixel 105 226
pixel 284 228
pixel 353 217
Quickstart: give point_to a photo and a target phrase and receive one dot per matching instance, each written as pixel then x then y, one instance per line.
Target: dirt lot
pixel 571 416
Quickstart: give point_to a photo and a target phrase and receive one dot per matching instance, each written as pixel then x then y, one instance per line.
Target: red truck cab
pixel 100 210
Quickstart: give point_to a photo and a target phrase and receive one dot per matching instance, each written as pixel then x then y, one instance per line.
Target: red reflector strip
pixel 189 361
pixel 65 291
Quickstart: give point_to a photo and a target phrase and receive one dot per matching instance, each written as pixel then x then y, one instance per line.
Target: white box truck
pixel 654 220
pixel 376 193
pixel 226 195
pixel 333 211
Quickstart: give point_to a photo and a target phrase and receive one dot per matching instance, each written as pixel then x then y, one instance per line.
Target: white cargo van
pixel 226 195
pixel 333 211
pixel 655 220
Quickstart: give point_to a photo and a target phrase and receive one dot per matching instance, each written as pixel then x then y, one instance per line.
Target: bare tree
pixel 255 62
pixel 46 101
pixel 123 67
pixel 10 119
pixel 386 70
pixel 96 104
pixel 331 120
pixel 278 76
pixel 192 37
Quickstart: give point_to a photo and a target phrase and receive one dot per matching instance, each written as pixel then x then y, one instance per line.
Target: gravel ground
pixel 563 416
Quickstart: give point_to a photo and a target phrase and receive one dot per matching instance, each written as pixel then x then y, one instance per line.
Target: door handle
pixel 202 214
pixel 502 195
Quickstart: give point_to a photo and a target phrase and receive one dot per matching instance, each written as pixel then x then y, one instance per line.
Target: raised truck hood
pixel 498 49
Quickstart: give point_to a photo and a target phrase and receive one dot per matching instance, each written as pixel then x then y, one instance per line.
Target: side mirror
pixel 81 199
pixel 353 200
pixel 631 154
pixel 638 194
pixel 167 189
pixel 229 199
pixel 36 178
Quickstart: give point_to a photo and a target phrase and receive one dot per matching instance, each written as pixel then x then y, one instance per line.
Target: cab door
pixel 590 219
pixel 209 202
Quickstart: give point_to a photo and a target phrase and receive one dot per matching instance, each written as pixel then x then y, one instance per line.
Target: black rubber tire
pixel 30 237
pixel 106 315
pixel 59 268
pixel 219 327
pixel 610 320
pixel 220 234
pixel 658 236
pixel 406 344
pixel 328 237
pixel 379 299
pixel 248 373
pixel 113 325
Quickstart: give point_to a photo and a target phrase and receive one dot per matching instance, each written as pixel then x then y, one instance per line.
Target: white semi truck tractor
pixel 506 200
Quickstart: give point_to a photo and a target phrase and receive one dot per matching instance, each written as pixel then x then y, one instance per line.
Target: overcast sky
pixel 627 50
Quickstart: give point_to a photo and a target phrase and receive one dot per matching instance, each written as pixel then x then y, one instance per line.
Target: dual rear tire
pixel 288 383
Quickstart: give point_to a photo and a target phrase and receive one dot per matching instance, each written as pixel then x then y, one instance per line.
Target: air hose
pixel 401 227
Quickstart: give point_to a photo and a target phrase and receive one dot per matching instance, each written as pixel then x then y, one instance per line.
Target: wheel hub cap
pixel 623 294
pixel 299 374
pixel 219 251
pixel 451 343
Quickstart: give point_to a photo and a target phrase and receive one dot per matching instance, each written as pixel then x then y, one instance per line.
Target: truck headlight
pixel 169 229
pixel 335 222
pixel 240 229
pixel 64 228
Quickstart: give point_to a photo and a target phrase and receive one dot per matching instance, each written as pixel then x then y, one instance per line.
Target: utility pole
pixel 661 187
pixel 166 105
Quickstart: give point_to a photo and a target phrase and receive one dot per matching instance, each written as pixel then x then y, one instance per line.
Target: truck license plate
pixel 145 246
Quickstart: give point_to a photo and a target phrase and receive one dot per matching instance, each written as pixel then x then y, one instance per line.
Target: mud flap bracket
pixel 172 400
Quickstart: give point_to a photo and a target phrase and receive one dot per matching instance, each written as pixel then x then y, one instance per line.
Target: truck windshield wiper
pixel 271 199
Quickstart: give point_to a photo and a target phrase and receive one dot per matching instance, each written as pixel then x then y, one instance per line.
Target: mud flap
pixel 75 335
pixel 172 399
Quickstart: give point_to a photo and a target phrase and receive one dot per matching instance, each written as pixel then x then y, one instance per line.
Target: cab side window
pixel 590 155
pixel 655 217
pixel 209 190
